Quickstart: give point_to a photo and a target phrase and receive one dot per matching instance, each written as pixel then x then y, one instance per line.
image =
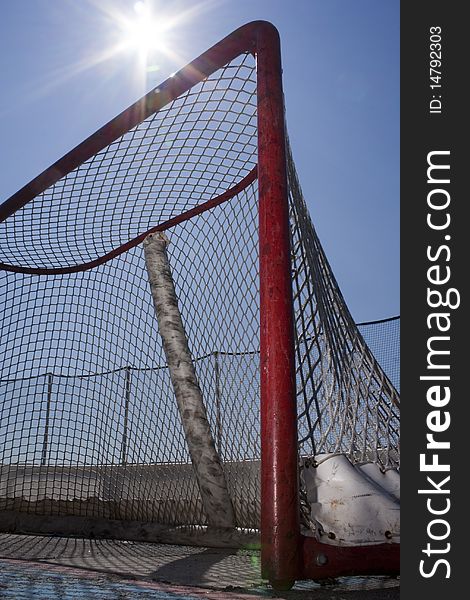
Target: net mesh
pixel 387 353
pixel 89 422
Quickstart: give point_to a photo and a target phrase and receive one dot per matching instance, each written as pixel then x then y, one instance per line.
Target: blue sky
pixel 341 82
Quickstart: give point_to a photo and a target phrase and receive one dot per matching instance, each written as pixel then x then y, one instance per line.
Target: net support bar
pixel 206 462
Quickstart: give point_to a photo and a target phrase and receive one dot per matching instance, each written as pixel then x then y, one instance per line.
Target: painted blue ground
pixel 21 582
pixel 37 581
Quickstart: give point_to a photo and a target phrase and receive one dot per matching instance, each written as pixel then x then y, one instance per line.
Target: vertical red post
pixel 280 529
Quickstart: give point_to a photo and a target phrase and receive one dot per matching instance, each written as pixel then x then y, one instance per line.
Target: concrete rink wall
pixel 128 501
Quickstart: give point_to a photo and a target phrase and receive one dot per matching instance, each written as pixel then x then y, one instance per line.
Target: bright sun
pixel 151 32
pixel 145 33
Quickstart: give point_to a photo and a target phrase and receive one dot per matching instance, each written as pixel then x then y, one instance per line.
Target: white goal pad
pixel 351 505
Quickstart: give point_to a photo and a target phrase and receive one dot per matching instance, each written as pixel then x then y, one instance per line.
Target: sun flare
pixel 145 33
pixel 151 31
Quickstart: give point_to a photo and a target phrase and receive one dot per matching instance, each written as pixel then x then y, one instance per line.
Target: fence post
pixel 126 414
pixel 218 417
pixel 45 442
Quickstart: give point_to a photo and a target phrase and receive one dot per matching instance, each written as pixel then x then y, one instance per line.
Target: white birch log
pixel 206 462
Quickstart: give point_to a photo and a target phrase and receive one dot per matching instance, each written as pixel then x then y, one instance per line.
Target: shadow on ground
pixel 164 569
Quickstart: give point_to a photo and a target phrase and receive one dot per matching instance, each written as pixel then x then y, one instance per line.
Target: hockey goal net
pixel 91 433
